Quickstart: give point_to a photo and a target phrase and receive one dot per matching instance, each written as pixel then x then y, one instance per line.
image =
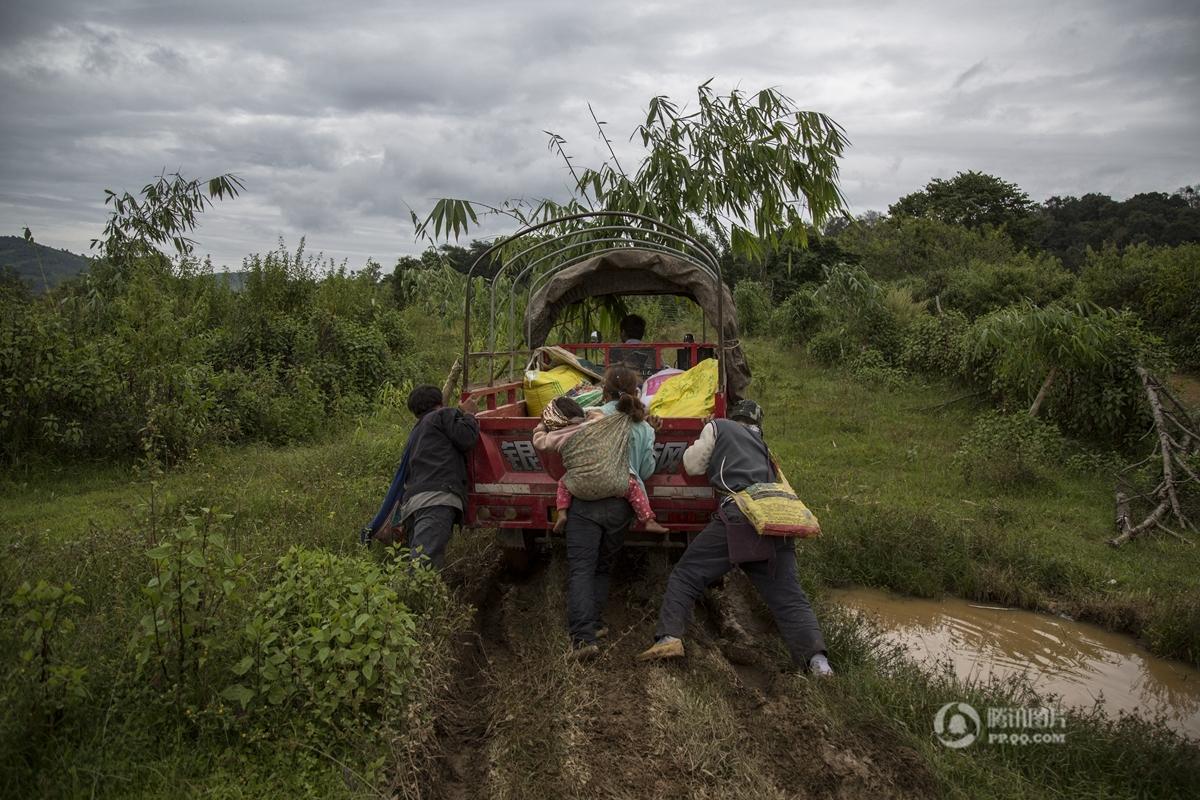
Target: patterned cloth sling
pixel 596 459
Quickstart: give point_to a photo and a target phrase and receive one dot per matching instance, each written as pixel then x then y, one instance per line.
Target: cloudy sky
pixel 340 117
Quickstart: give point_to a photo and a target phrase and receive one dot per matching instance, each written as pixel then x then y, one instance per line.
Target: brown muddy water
pixel 1080 663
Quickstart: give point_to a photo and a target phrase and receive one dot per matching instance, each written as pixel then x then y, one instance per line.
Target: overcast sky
pixel 339 117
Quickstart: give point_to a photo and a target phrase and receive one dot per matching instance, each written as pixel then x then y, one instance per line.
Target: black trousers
pixel 595 533
pixel 707 559
pixel 429 532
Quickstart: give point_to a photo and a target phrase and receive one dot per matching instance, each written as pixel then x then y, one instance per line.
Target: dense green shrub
pixel 855 307
pixel 1089 356
pixel 1160 284
pixel 331 639
pixel 753 302
pixel 798 317
pixel 981 286
pixel 47 673
pixel 933 345
pixel 870 367
pixel 162 358
pixel 1009 450
pixel 904 247
pixel 827 347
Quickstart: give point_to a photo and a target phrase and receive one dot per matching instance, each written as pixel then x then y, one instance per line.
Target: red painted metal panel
pixel 513 486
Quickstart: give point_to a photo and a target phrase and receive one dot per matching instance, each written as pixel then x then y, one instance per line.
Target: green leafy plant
pixel 1009 450
pixel 163 215
pixel 977 287
pixel 42 622
pixel 827 346
pixel 798 317
pixel 933 345
pixel 195 573
pixel 331 638
pixel 855 307
pixel 734 168
pixel 1160 284
pixel 1080 363
pixel 753 302
pixel 870 367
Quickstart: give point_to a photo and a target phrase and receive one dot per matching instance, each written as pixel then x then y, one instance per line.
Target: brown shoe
pixel 665 648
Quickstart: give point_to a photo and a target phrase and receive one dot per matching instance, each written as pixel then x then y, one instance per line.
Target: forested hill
pixel 30 261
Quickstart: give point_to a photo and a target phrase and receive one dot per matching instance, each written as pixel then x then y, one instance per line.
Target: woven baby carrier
pixel 596 459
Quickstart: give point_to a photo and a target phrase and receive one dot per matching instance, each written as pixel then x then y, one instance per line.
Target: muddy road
pixel 522 720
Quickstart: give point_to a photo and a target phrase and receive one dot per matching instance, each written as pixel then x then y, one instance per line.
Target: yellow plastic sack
pixel 692 394
pixel 543 386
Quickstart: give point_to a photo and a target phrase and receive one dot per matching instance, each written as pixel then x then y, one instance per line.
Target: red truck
pixel 512 485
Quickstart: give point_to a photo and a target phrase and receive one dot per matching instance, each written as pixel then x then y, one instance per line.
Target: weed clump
pixel 331 640
pixel 1009 450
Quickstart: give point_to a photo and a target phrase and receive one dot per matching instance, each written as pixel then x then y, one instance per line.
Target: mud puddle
pixel 1081 663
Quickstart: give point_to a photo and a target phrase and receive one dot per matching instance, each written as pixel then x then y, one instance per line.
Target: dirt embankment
pixel 522 720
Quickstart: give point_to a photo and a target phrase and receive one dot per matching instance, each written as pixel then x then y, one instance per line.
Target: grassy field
pixel 500 712
pixel 876 464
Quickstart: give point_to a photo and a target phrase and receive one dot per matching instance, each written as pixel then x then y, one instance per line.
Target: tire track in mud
pixel 524 720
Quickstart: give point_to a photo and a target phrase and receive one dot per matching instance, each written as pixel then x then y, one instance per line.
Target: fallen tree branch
pixel 1129 533
pixel 950 402
pixel 1172 452
pixel 1164 439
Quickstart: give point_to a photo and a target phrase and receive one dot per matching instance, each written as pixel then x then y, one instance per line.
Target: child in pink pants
pixel 561 419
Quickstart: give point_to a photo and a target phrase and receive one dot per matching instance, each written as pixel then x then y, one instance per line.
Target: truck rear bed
pixel 512 485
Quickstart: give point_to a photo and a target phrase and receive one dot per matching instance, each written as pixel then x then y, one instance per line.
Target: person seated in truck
pixel 430 486
pixel 562 418
pixel 640 359
pixel 633 329
pixel 734 456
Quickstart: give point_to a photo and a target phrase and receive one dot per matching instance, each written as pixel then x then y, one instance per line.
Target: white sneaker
pixel 818 665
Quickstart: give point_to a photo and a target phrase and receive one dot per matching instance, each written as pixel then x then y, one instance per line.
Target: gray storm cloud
pixel 342 118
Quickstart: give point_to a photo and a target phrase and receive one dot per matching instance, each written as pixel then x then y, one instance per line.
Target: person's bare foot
pixel 654 526
pixel 560 524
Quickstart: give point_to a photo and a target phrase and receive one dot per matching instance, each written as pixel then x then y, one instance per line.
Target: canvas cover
pixel 640 272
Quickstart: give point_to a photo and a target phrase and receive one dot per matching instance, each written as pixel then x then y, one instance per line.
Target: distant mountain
pixel 29 261
pixel 32 261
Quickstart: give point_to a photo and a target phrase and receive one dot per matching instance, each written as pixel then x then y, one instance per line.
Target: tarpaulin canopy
pixel 636 271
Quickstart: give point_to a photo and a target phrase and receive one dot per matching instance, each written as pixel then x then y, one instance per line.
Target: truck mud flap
pixel 511 538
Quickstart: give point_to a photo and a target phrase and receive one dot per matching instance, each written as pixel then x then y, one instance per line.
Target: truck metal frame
pixel 511 485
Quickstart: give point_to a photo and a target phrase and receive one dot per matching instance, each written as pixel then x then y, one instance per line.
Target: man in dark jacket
pixel 732 453
pixel 435 488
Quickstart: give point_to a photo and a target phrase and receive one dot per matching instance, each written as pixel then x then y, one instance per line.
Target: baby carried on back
pixel 605 452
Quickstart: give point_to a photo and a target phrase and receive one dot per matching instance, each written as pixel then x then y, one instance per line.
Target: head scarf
pixel 553 418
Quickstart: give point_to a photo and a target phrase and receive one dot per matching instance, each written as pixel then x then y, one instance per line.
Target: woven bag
pixel 774 510
pixel 596 459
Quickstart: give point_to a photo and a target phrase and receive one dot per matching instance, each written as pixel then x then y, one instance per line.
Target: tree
pixel 785 270
pixel 1070 226
pixel 1189 195
pixel 972 199
pixel 164 215
pixel 750 170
